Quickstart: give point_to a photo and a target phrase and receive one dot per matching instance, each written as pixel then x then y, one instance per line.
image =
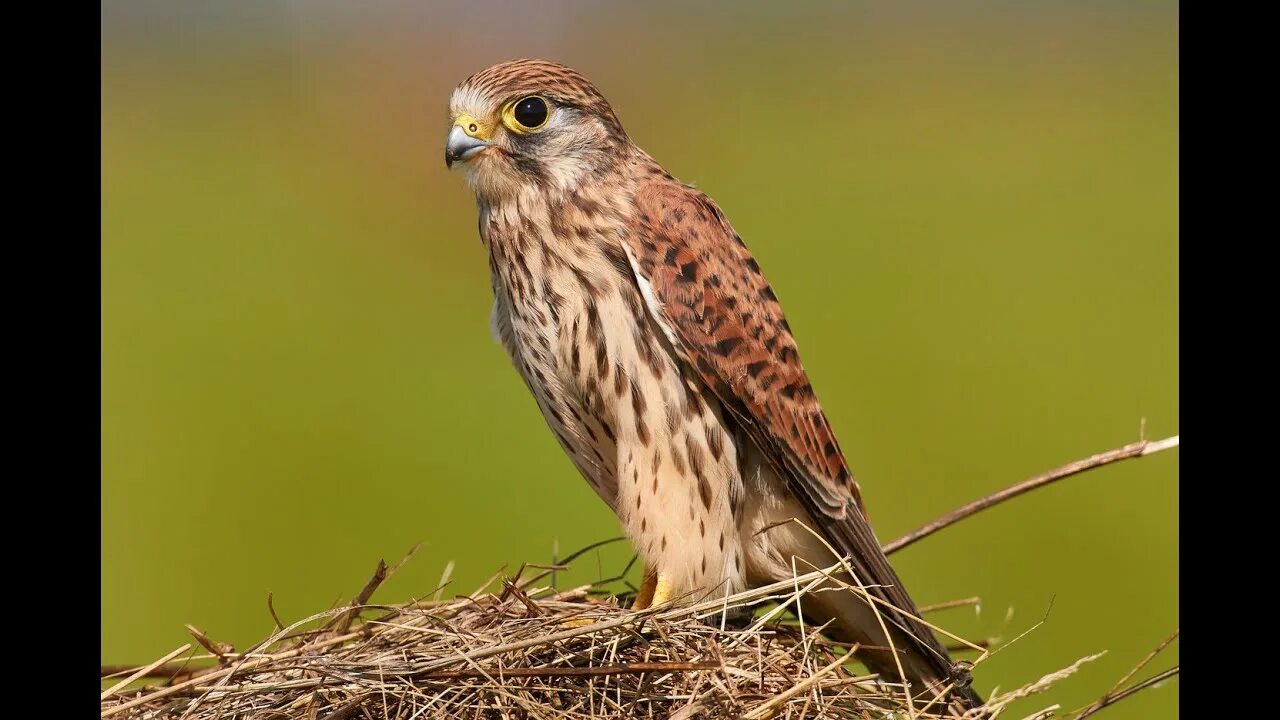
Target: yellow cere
pixel 475 127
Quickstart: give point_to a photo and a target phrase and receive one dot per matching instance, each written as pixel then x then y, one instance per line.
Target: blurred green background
pixel 968 209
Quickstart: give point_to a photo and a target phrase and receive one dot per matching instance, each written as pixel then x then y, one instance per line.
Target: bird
pixel 660 358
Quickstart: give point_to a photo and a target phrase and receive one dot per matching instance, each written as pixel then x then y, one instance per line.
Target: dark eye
pixel 531 112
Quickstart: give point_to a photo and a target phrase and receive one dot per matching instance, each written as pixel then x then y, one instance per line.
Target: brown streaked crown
pixel 563 85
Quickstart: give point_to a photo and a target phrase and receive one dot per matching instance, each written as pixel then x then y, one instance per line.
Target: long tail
pixel 857 623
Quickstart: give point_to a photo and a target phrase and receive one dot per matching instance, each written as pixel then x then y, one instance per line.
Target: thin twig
pixel 1138 668
pixel 634 668
pixel 768 708
pixel 1112 698
pixel 166 670
pixel 272 609
pixel 1132 450
pixel 143 671
pixel 949 604
pixel 379 575
pixel 215 649
pixel 347 710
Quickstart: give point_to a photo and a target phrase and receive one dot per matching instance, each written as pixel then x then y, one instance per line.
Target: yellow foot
pixel 664 592
pixel 654 591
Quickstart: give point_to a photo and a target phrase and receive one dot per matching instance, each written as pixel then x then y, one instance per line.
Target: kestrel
pixel 659 355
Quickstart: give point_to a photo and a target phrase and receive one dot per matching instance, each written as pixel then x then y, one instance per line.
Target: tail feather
pixel 856 622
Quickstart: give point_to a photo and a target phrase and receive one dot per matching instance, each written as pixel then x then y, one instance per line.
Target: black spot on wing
pixel 726 346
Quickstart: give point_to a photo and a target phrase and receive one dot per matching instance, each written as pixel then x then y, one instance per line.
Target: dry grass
pixel 520 649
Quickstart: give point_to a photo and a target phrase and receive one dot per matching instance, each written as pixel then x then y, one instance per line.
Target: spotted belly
pixel 588 440
pixel 647 437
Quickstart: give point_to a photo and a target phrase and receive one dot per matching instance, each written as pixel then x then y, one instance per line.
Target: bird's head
pixel 530 123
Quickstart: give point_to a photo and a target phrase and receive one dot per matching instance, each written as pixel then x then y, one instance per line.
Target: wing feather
pixel 709 293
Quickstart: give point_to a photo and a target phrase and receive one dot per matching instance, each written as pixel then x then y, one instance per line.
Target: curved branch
pixel 1132 450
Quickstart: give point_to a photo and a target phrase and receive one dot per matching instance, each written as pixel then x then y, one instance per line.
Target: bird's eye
pixel 530 113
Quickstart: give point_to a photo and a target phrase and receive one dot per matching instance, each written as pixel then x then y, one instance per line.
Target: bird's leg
pixel 654 591
pixel 663 591
pixel 644 598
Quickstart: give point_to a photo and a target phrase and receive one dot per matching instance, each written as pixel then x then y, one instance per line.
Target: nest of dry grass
pixel 521 649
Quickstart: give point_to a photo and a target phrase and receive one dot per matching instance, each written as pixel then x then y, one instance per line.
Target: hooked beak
pixel 461 147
